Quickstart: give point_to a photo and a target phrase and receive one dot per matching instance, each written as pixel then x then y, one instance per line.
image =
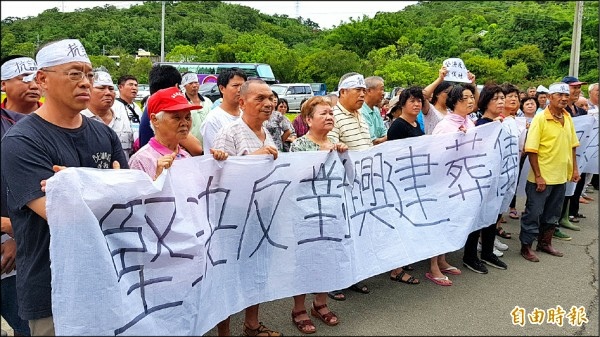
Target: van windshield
pixel 280 90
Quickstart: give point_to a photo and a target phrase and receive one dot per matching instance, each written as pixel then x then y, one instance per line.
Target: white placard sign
pixel 457 71
pixel 177 256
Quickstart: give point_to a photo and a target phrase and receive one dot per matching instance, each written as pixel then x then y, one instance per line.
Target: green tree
pixel 181 53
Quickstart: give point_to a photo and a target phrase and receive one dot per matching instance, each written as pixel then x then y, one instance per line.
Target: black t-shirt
pixel 9 118
pixel 483 120
pixel 29 149
pixel 400 129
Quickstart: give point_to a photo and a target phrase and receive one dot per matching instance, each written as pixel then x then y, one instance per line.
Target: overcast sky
pixel 325 13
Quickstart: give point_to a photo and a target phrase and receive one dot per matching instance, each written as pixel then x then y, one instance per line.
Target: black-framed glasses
pixel 75 75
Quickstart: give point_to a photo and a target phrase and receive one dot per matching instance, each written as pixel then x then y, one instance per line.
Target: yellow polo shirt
pixel 554 145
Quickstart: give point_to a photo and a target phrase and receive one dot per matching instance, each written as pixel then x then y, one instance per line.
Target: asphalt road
pixel 475 304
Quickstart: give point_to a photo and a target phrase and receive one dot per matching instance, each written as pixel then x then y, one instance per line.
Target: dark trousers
pixel 488 234
pixel 542 210
pixel 513 202
pixel 574 205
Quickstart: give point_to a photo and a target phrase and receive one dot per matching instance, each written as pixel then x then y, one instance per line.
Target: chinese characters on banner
pixel 208 239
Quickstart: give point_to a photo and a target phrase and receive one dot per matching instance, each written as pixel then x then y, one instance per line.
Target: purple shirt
pixel 145 159
pixel 452 123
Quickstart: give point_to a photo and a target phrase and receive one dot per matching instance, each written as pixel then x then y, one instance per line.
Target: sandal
pixel 260 331
pixel 337 295
pixel 326 318
pixel 513 215
pixel 451 271
pixel 441 281
pixel 410 280
pixel 502 233
pixel 360 288
pixel 305 326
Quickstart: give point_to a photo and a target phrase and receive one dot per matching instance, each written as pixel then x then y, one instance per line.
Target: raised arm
pixel 428 91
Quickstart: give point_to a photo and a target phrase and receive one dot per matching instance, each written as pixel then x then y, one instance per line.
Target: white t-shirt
pixel 432 118
pixel 237 139
pixel 119 107
pixel 216 119
pixel 122 127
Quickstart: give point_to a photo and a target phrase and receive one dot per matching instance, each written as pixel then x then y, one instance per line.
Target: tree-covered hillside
pixel 524 42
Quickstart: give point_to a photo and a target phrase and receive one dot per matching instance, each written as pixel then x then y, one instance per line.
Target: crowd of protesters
pixel 82 124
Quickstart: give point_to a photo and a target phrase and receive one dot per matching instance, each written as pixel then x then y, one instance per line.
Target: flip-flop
pixel 441 281
pixel 451 271
pixel 513 215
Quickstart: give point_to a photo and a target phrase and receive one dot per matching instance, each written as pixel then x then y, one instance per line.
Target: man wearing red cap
pixel 171 120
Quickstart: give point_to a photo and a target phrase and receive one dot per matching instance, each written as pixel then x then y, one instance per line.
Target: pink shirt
pixel 452 123
pixel 145 159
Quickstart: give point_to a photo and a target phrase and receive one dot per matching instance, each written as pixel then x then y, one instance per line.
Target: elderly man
pixel 531 91
pixel 570 209
pixel 18 82
pixel 550 145
pixel 65 76
pixel 190 86
pixel 171 118
pixel 351 129
pixel 22 98
pixel 100 109
pixel 248 136
pixel 370 110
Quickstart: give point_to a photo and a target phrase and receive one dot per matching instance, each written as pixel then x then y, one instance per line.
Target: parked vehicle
pixel 210 90
pixel 319 89
pixel 143 91
pixel 208 71
pixel 294 93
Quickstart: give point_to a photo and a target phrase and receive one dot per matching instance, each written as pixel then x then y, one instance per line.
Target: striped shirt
pixel 237 139
pixel 350 129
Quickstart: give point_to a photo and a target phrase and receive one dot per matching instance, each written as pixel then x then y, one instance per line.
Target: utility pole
pixel 576 41
pixel 297 9
pixel 162 34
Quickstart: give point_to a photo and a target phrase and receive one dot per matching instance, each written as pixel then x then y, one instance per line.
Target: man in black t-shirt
pixel 55 134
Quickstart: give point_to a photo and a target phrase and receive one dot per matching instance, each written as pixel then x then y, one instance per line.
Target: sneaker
pixel 560 235
pixel 260 331
pixel 476 265
pixel 500 245
pixel 496 251
pixel 494 262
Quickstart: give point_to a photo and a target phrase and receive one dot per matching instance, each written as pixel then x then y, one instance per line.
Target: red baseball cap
pixel 169 100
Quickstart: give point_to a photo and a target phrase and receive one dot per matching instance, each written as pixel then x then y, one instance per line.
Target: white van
pixel 294 93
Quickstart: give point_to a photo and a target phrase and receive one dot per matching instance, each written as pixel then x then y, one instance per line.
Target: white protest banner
pixel 586 128
pixel 457 71
pixel 175 257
